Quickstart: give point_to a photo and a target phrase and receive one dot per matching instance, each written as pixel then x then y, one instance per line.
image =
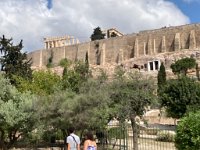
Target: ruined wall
pixel 118 49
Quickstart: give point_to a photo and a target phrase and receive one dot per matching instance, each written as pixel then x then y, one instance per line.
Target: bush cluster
pixel 166 136
pixel 188 132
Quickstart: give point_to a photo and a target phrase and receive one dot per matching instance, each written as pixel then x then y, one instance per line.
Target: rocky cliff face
pixel 141 64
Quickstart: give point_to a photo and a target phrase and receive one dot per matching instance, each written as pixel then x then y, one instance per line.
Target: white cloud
pixel 31 21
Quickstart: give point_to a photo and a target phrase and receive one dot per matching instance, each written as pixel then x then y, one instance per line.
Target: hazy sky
pixel 32 20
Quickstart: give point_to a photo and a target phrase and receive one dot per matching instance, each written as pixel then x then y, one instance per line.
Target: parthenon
pixel 52 42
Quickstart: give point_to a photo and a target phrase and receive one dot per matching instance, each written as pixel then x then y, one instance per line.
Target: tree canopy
pixel 182 65
pixel 74 75
pixel 43 83
pixel 187 132
pixel 16 114
pixel 130 95
pixel 97 34
pixel 179 95
pixel 14 62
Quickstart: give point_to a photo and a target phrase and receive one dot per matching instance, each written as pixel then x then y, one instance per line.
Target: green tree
pixel 60 110
pixel 97 34
pixel 182 65
pixel 16 114
pixel 92 105
pixel 75 75
pixel 161 78
pixel 65 63
pixel 187 133
pixel 43 83
pixel 130 95
pixel 14 62
pixel 179 95
pixel 55 112
pixel 87 62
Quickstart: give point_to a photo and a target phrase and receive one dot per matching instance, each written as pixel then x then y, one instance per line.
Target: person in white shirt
pixel 73 141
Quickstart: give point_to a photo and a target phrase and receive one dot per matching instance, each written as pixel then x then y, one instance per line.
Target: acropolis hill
pixel 144 50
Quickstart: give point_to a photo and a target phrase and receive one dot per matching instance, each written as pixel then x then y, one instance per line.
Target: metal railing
pixel 120 137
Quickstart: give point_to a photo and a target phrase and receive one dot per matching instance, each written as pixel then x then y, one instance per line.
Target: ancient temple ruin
pixel 52 42
pixel 112 32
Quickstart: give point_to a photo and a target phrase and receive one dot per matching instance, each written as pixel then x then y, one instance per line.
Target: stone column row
pixel 153 63
pixel 60 42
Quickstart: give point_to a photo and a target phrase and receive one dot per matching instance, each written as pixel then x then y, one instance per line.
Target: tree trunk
pixel 2 143
pixel 135 132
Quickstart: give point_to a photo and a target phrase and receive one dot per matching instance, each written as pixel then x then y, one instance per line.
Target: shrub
pixel 116 132
pixel 64 62
pixel 188 132
pixel 151 131
pixel 166 136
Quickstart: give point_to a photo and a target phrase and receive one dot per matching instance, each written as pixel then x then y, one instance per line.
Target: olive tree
pixel 130 95
pixel 179 96
pixel 16 114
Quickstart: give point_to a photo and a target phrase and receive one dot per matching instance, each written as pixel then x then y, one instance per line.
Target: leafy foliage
pixel 97 34
pixel 55 111
pixel 43 83
pixel 130 95
pixel 182 65
pixel 179 95
pixel 65 63
pixel 75 75
pixel 16 114
pixel 165 136
pixel 13 61
pixel 92 105
pixel 188 132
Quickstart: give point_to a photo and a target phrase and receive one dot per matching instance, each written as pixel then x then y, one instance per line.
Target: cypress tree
pixel 161 77
pixel 97 34
pixel 87 62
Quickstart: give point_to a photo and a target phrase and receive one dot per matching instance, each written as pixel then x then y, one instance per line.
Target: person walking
pixel 73 140
pixel 90 143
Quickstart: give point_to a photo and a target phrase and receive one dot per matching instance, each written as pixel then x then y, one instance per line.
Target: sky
pixel 33 20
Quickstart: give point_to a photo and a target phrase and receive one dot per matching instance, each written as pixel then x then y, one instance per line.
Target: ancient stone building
pixel 53 42
pixel 144 50
pixel 112 32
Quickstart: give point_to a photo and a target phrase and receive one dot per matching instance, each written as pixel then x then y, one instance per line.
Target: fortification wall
pixel 119 49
